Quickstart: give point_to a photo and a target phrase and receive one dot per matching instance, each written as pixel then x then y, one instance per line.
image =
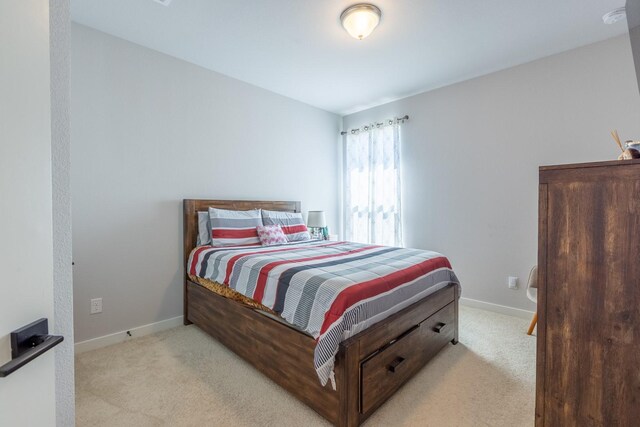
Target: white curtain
pixel 372 205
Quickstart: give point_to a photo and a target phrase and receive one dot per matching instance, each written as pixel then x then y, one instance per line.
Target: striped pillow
pixel 234 228
pixel 292 224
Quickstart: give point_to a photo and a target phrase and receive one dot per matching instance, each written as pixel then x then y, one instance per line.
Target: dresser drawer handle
pixel 396 364
pixel 438 327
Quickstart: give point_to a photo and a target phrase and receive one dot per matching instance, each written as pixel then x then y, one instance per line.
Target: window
pixel 372 207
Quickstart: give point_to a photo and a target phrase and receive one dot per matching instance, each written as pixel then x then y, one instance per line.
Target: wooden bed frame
pixel 370 366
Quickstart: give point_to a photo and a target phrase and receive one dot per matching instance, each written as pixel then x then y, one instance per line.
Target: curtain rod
pixel 366 128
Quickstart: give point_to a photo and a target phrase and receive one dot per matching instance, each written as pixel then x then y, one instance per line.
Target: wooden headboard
pixel 190 222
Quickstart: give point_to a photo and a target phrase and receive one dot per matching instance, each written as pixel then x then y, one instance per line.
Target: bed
pixel 366 367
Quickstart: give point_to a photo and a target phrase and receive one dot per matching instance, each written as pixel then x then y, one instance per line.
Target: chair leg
pixel 533 323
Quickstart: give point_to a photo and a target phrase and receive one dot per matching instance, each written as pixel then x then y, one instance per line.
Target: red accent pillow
pixel 271 235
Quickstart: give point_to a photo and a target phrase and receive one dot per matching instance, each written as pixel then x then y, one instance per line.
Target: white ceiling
pixel 297 48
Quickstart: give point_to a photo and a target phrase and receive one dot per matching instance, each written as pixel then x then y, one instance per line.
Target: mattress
pixel 229 293
pixel 330 290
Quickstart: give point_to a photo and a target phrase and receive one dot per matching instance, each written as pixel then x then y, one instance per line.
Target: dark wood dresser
pixel 588 349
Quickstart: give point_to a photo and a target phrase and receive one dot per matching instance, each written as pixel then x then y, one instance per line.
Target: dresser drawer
pixel 385 371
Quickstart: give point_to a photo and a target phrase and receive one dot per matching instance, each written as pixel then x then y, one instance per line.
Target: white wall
pixel 471 153
pixel 149 130
pixel 27 396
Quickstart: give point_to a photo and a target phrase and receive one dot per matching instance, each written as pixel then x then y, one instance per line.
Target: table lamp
pixel 317 224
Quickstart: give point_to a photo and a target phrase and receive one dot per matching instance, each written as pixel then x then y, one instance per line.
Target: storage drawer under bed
pixel 385 371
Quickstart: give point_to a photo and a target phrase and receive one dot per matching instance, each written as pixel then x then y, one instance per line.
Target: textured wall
pixel 59 39
pixel 471 153
pixel 149 130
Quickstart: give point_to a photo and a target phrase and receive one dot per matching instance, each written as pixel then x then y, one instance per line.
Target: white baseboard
pixel 497 308
pixel 118 337
pixel 95 343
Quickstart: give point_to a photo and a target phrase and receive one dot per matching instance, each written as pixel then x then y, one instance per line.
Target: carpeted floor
pixel 182 377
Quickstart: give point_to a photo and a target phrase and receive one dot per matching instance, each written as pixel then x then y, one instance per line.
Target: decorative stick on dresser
pixel 588 349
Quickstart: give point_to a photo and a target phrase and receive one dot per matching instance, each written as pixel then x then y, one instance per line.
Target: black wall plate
pixel 23 339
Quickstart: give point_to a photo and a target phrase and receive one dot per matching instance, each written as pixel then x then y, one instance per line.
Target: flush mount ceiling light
pixel 360 19
pixel 614 16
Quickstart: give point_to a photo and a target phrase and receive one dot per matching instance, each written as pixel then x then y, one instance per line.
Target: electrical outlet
pixel 512 282
pixel 96 305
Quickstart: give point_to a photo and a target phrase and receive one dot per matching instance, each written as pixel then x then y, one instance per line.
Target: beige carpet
pixel 182 377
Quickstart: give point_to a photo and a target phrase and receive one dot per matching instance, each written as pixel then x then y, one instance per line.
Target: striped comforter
pixel 332 290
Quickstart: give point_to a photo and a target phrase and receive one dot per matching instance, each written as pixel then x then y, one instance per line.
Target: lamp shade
pixel 360 19
pixel 316 219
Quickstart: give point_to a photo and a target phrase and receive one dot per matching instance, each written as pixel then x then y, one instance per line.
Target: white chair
pixel 532 294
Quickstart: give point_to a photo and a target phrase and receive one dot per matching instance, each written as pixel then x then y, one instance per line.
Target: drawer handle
pixel 438 327
pixel 396 364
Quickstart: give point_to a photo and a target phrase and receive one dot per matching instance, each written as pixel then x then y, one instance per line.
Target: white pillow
pixel 204 229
